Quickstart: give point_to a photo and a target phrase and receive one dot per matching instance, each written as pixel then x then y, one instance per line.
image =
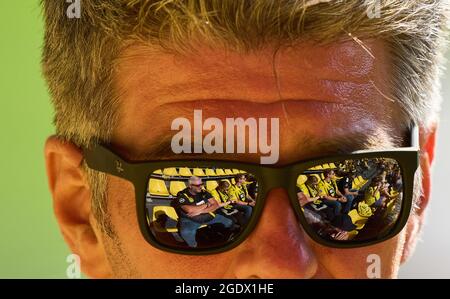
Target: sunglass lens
pixel 183 216
pixel 352 200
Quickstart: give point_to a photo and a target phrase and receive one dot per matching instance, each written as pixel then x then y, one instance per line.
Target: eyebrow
pixel 317 148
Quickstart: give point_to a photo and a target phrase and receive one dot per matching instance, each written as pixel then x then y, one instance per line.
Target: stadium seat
pixel 233 181
pixel 389 208
pixel 172 171
pixel 332 166
pixel 159 171
pixel 157 187
pixel 199 172
pixel 211 185
pixel 184 171
pixel 352 234
pixel 358 220
pixel 220 171
pixel 301 180
pixel 326 166
pixel 359 182
pixel 363 180
pixel 176 186
pixel 169 212
pixel 235 171
pixel 356 183
pixel 210 172
pixel 228 171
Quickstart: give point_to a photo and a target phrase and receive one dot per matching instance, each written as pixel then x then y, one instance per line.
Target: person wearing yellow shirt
pixel 329 192
pixel 308 192
pixel 239 193
pixel 377 193
pixel 229 205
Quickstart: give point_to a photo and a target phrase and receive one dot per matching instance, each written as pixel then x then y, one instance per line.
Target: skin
pixel 322 93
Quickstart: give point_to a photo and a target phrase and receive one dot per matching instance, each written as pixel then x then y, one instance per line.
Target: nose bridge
pixel 275 178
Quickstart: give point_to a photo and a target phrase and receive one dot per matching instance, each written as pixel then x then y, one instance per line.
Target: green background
pixel 31 245
pixel 30 242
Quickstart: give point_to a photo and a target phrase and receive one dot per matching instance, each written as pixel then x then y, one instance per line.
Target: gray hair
pixel 193 179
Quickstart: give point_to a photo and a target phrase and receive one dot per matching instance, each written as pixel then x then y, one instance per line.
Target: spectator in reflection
pixel 240 213
pixel 308 192
pixel 195 207
pixel 239 193
pixel 345 187
pixel 329 192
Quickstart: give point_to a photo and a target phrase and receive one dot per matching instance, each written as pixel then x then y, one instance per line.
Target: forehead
pixel 303 71
pixel 316 91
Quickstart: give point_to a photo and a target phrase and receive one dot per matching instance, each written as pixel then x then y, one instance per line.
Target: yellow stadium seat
pixel 355 184
pixel 157 187
pixel 325 166
pixel 220 171
pixel 159 171
pixel 319 167
pixel 389 208
pixel 363 180
pixel 332 165
pixel 358 220
pixel 228 171
pixel 352 234
pixel 241 171
pixel 211 185
pixel 184 171
pixel 199 172
pixel 176 186
pixel 233 181
pixel 172 171
pixel 235 171
pixel 170 212
pixel 301 180
pixel 360 181
pixel 210 172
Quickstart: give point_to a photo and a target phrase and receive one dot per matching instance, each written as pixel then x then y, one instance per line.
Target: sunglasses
pixel 197 185
pixel 347 210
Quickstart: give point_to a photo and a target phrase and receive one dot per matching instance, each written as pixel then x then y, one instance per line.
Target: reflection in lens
pixel 352 200
pixel 199 207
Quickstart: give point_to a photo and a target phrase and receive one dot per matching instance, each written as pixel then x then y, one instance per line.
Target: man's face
pixel 224 187
pixel 313 182
pixel 196 186
pixel 338 85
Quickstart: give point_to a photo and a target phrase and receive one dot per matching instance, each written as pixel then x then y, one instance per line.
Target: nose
pixel 278 247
